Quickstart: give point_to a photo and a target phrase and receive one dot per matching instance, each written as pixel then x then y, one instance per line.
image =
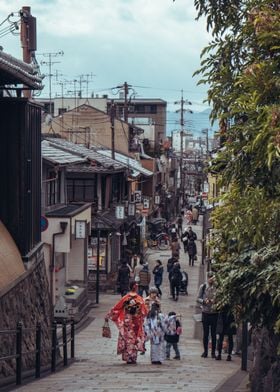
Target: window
pixel 61 111
pixel 152 109
pixel 139 109
pixel 53 188
pixel 49 107
pixel 81 190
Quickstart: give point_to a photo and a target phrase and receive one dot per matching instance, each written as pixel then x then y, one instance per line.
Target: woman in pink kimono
pixel 128 315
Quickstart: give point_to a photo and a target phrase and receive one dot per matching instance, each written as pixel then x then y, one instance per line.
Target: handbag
pixel 197 317
pixel 106 331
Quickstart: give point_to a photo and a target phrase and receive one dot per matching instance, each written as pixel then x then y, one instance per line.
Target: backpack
pixel 172 325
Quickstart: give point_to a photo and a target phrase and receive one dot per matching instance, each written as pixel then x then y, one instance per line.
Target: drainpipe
pixel 63 226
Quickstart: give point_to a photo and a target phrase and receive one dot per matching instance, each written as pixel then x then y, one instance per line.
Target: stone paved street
pixel 98 368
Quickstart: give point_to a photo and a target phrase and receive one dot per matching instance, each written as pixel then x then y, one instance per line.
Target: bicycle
pixel 160 241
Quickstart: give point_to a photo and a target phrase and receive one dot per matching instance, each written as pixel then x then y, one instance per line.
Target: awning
pixel 106 221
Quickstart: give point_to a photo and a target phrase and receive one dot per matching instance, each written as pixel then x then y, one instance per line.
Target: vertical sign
pixel 131 209
pixel 157 199
pixel 137 196
pixel 80 229
pixel 146 204
pixel 120 212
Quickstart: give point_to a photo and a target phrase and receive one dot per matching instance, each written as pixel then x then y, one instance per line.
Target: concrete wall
pixel 87 125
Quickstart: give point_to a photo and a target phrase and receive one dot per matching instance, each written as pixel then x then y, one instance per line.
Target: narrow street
pixel 98 368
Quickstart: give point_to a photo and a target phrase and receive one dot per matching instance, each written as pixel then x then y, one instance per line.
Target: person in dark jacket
pixel 192 251
pixel 173 335
pixel 144 280
pixel 170 263
pixel 123 278
pixel 225 326
pixel 158 272
pixel 176 279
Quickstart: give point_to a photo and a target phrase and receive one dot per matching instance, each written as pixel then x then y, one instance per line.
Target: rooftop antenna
pixel 49 63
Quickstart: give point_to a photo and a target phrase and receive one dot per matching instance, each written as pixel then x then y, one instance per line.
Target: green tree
pixel 242 67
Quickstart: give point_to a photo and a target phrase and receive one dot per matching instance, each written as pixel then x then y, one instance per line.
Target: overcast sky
pixel 154 44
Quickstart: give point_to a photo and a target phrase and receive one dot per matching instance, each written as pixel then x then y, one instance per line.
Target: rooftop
pixel 14 72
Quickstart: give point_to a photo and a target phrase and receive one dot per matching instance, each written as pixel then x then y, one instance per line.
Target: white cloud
pixel 153 43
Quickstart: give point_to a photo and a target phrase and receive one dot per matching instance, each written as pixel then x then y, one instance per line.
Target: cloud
pixel 153 43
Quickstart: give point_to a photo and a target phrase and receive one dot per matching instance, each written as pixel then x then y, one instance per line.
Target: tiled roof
pixel 55 155
pixel 14 71
pixel 131 163
pixel 68 211
pixel 92 155
pixel 88 168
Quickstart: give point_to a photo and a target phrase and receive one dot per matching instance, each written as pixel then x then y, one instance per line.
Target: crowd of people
pixel 140 319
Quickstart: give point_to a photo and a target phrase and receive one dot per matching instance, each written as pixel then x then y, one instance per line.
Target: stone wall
pixel 27 300
pixel 265 372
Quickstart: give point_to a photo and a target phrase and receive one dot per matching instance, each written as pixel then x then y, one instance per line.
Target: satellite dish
pixel 48 119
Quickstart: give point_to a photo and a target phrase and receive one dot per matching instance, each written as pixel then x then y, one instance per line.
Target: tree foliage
pixel 242 67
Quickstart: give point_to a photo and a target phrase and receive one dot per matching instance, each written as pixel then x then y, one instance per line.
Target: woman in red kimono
pixel 129 314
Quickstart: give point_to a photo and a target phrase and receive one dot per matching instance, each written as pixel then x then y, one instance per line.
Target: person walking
pixel 170 263
pixel 191 247
pixel 175 247
pixel 137 269
pixel 185 239
pixel 206 298
pixel 225 327
pixel 191 234
pixel 176 279
pixel 195 213
pixel 158 273
pixel 144 280
pixel 189 215
pixel 155 327
pixel 180 225
pixel 172 336
pixel 123 278
pixel 192 251
pixel 128 314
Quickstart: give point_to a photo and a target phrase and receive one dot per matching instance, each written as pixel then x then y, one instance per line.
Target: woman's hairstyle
pixel 132 285
pixel 153 290
pixel 158 261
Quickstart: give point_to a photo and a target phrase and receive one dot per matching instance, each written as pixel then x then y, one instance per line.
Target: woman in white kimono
pixel 156 325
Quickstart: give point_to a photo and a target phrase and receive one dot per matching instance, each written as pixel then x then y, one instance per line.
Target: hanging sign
pixel 119 212
pixel 157 199
pixel 131 209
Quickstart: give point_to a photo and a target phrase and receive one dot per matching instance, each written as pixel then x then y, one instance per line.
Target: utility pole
pixel 50 63
pixel 182 110
pixel 28 38
pixel 125 87
pixel 112 117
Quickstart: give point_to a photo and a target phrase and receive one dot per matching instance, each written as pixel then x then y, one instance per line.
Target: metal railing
pixel 58 340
